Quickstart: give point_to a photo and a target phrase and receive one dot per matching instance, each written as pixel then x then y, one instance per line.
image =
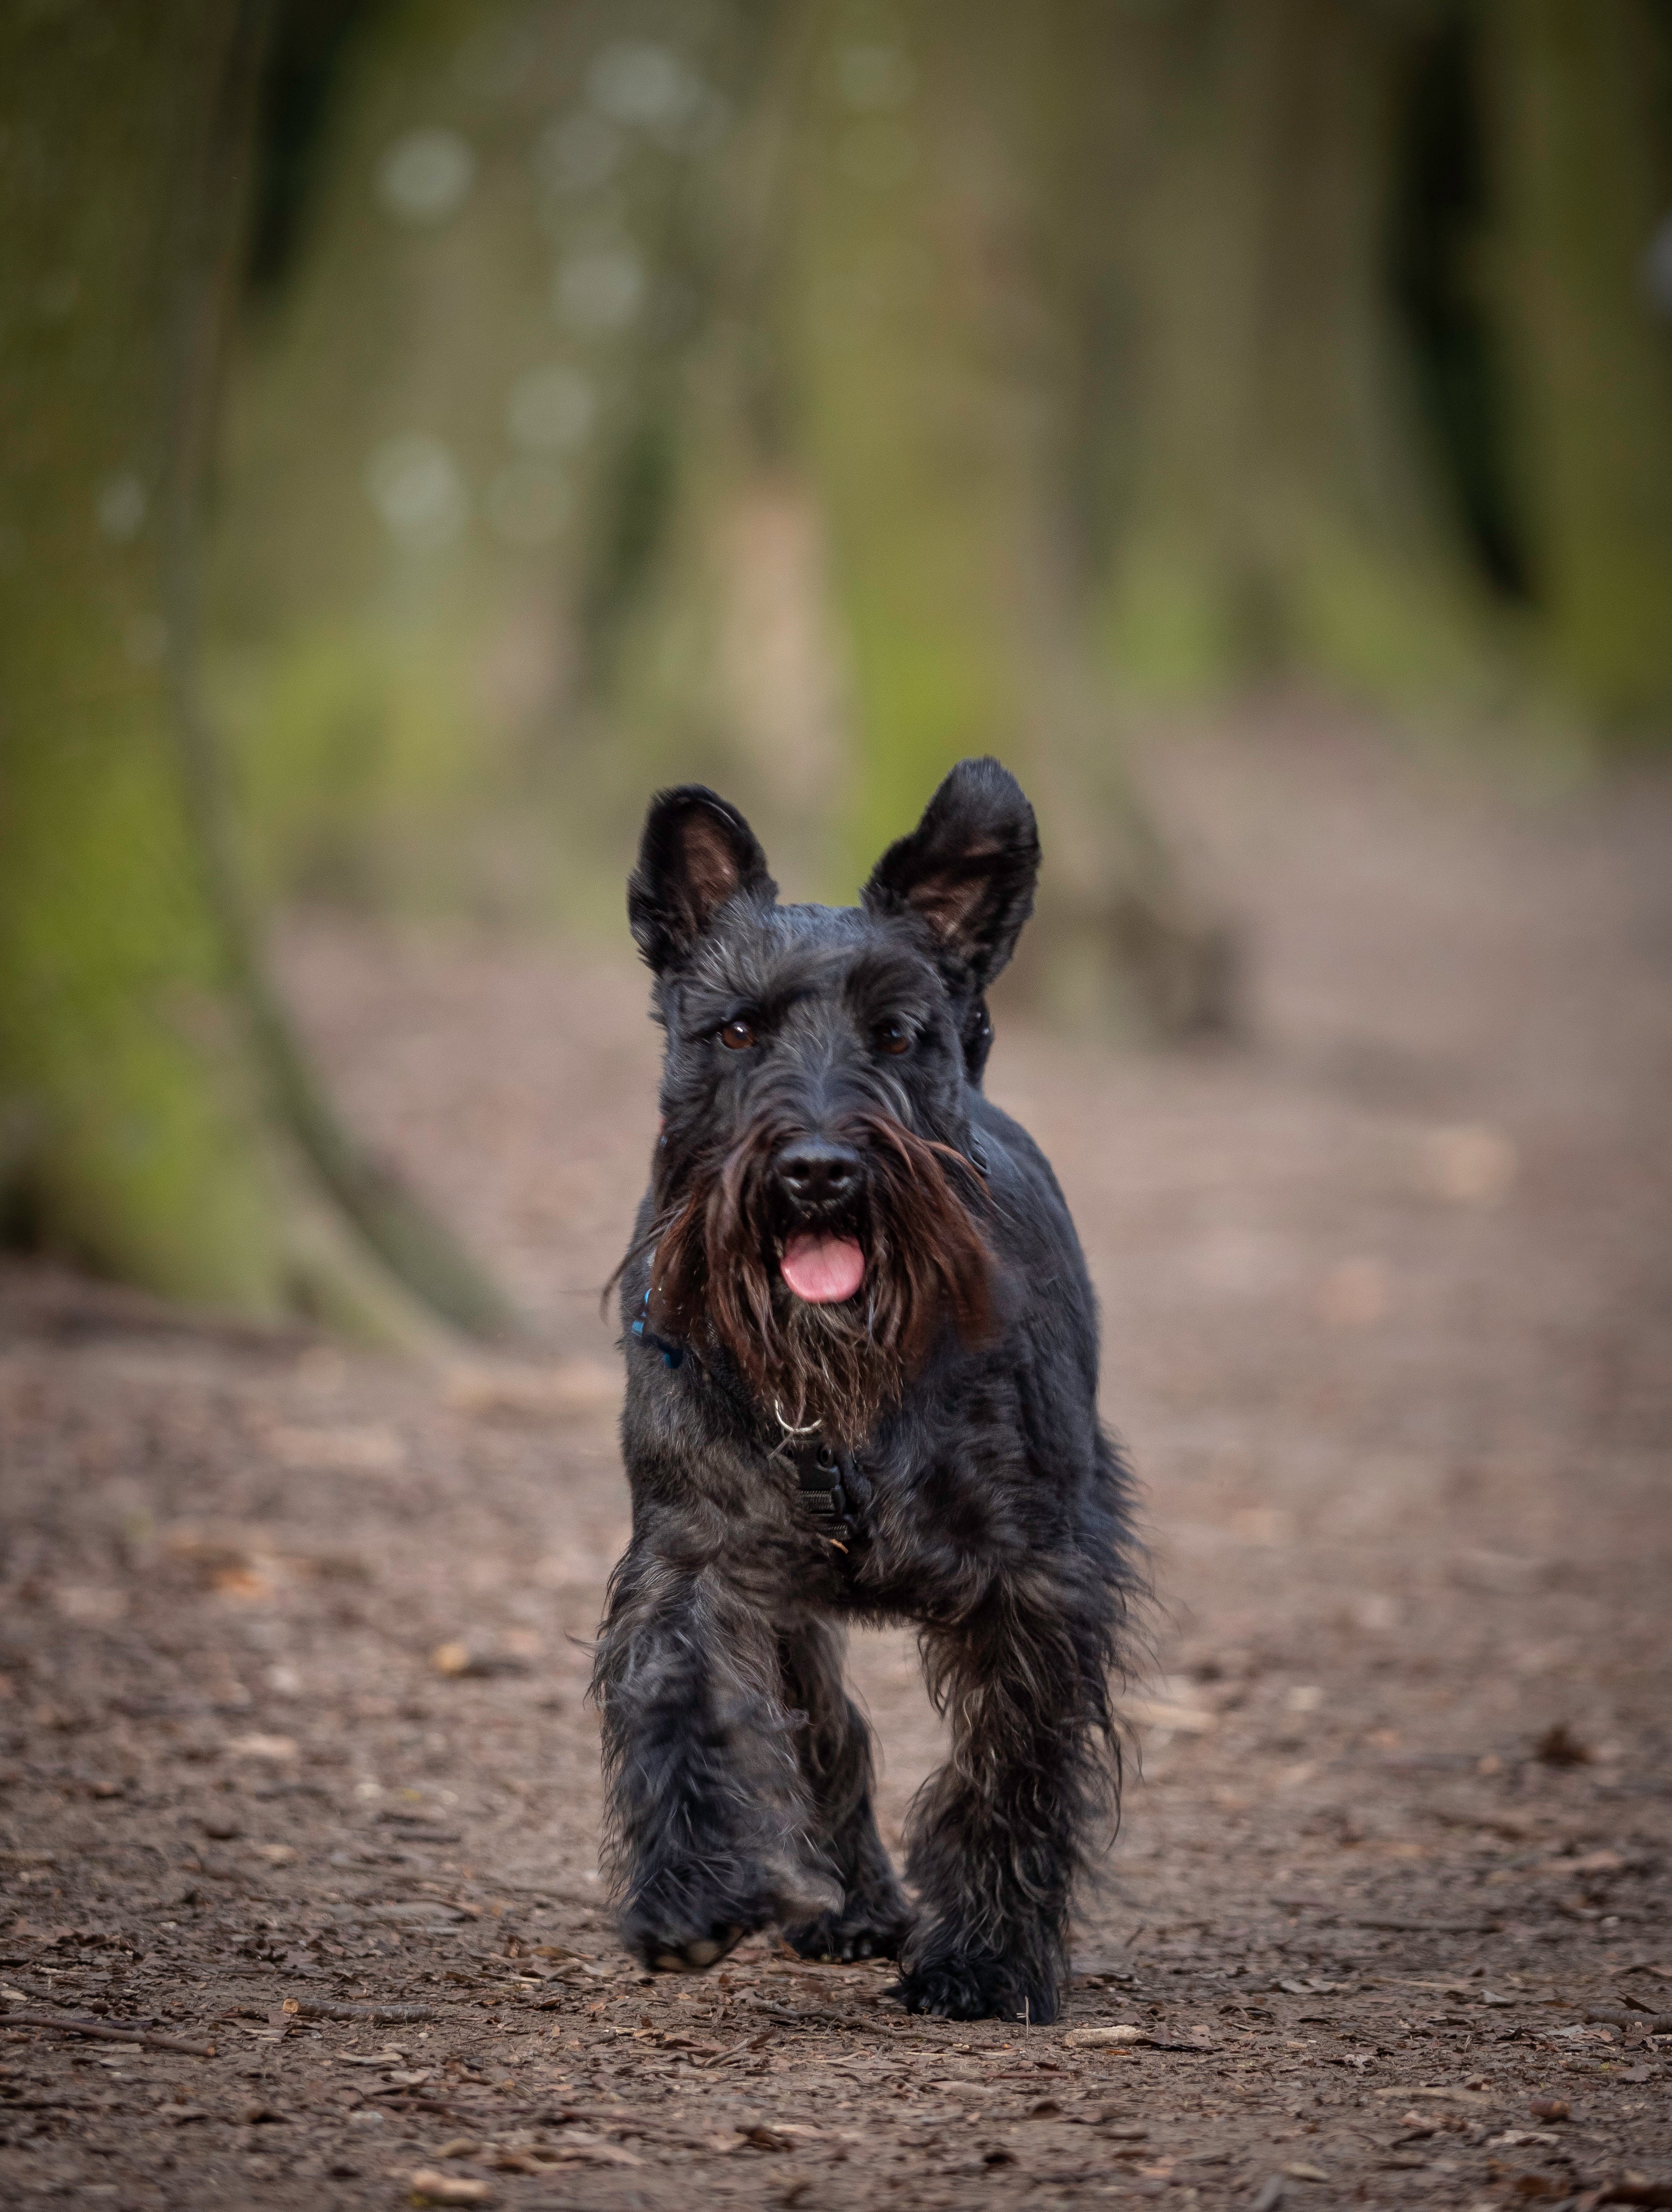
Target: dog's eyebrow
pixel 723 999
pixel 888 979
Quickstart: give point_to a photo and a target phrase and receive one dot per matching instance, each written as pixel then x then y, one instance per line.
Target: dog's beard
pixel 717 1272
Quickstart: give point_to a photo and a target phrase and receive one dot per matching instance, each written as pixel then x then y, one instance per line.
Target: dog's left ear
pixel 968 869
pixel 696 854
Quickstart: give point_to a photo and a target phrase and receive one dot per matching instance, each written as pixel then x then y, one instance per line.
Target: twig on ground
pixel 75 2024
pixel 347 2008
pixel 1434 1927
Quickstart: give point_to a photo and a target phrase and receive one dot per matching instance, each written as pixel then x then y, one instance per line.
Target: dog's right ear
pixel 696 854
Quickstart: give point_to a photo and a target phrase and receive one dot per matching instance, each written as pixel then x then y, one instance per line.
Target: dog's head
pixel 819 1208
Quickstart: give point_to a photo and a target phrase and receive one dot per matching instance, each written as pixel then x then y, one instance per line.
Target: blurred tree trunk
pixel 1581 183
pixel 868 570
pixel 155 1117
pixel 930 339
pixel 1276 509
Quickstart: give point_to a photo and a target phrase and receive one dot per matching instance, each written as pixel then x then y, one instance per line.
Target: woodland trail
pixel 293 1643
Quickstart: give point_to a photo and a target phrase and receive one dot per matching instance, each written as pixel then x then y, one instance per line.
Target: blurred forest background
pixel 429 424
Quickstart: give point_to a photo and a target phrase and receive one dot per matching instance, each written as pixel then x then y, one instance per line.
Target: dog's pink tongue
pixel 823 1270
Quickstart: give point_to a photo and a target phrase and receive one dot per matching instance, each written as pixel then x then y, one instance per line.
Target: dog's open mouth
pixel 823 1270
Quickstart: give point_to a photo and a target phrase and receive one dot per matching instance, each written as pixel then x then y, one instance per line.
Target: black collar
pixel 832 1491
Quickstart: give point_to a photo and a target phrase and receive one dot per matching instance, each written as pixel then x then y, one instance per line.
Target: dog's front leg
pixel 834 1746
pixel 710 1825
pixel 997 1834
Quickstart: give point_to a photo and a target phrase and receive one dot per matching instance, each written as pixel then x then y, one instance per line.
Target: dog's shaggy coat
pixel 821 1091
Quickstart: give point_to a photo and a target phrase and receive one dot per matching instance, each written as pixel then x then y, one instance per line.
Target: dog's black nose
pixel 813 1173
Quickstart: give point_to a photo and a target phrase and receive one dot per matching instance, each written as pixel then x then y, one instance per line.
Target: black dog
pixel 862 1374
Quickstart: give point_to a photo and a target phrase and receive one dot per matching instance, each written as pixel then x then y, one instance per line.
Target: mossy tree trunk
pixel 1278 512
pixel 1581 179
pixel 156 1119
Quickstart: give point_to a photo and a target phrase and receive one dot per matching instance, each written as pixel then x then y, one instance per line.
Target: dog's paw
pixel 667 1955
pixel 672 1933
pixel 868 1926
pixel 953 1984
pixel 685 1919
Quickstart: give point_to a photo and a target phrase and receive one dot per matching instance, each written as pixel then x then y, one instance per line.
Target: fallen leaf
pixel 429 2187
pixel 765 2138
pixel 604 2153
pixel 458 1661
pixel 1157 1713
pixel 241 1583
pixel 263 1747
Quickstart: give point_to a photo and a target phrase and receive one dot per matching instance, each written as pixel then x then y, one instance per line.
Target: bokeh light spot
pixel 416 485
pixel 119 504
pixel 638 82
pixel 426 175
pixel 601 287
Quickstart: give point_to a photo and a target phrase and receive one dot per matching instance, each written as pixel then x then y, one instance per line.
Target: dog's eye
pixel 738 1036
pixel 892 1037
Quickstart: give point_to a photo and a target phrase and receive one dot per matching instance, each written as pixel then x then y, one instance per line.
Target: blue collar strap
pixel 673 1354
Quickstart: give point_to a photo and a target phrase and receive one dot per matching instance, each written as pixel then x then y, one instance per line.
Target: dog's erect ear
pixel 696 854
pixel 968 869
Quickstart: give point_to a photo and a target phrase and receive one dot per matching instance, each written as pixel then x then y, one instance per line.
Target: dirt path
pixel 291 1645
